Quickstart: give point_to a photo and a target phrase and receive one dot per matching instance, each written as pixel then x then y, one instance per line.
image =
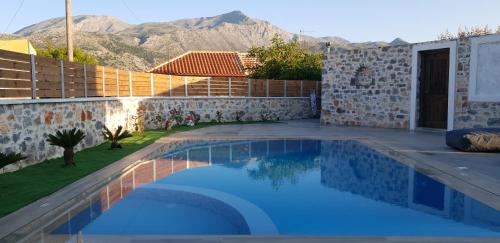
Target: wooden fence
pixel 32 77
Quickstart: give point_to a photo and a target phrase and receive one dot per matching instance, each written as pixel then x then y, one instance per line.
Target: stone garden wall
pixel 24 127
pixel 372 87
pixel 367 87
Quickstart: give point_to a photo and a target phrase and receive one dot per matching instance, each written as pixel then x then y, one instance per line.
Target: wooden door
pixel 433 98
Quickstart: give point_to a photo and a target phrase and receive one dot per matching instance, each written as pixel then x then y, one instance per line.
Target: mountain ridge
pixel 117 43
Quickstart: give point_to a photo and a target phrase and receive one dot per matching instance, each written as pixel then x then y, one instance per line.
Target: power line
pixel 130 10
pixel 13 17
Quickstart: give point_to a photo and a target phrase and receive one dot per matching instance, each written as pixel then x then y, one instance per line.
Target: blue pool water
pixel 287 187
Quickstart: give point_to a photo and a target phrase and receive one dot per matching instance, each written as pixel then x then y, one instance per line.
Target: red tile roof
pixel 204 63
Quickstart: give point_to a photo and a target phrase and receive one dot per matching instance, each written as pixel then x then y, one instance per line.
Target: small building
pixel 208 64
pixel 446 84
pixel 21 46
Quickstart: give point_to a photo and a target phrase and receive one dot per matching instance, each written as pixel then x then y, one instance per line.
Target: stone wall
pixel 467 113
pixel 368 87
pixel 372 87
pixel 24 127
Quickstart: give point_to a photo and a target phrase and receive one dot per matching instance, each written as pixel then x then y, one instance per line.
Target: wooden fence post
pixel 186 85
pixel 249 87
pixel 152 84
pixel 85 81
pixel 130 83
pixel 209 80
pixel 33 76
pixel 170 85
pixel 301 88
pixel 317 88
pixel 230 88
pixel 117 83
pixel 267 87
pixel 103 82
pixel 284 93
pixel 62 79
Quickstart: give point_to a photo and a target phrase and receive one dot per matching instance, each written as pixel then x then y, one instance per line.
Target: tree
pixel 468 32
pixel 287 61
pixel 61 53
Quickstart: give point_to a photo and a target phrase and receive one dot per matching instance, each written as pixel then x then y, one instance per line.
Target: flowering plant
pixel 189 120
pixel 176 114
pixel 169 123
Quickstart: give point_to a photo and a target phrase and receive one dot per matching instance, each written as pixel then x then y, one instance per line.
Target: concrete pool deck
pixel 477 175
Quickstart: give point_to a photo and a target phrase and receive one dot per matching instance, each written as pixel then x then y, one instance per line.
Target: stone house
pixel 447 84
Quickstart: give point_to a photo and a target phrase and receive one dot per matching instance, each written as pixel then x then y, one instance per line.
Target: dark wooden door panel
pixel 434 73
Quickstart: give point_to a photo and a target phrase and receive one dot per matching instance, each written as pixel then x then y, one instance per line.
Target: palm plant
pixel 67 139
pixel 116 136
pixel 218 114
pixel 10 158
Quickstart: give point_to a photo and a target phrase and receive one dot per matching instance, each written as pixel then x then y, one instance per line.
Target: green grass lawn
pixel 22 187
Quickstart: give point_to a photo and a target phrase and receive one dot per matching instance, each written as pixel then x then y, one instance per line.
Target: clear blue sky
pixel 355 20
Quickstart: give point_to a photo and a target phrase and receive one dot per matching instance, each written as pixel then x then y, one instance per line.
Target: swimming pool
pixel 278 187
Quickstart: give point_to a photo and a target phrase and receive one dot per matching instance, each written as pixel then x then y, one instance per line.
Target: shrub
pixel 195 116
pixel 466 32
pixel 218 114
pixel 67 139
pixel 139 120
pixel 239 115
pixel 10 158
pixel 61 53
pixel 157 120
pixel 265 115
pixel 189 120
pixel 169 123
pixel 116 136
pixel 176 114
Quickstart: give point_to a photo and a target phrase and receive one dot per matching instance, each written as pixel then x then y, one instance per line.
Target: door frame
pixel 415 67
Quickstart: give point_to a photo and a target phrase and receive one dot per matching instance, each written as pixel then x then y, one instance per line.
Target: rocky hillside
pixel 138 47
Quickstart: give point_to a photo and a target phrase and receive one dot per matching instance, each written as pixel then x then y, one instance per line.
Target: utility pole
pixel 69 30
pixel 301 33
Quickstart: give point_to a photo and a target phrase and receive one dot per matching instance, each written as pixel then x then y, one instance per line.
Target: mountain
pixel 139 47
pixel 234 17
pixel 106 24
pixel 398 41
